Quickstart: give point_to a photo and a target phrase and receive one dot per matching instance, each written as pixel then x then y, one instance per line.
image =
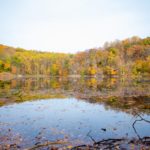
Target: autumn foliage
pixel 127 57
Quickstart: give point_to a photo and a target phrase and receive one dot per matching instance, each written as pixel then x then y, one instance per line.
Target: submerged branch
pixel 88 134
pixel 133 125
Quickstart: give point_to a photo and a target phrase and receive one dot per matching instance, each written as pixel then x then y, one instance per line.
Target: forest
pixel 93 99
pixel 129 57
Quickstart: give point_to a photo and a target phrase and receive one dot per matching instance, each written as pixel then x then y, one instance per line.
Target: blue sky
pixel 71 25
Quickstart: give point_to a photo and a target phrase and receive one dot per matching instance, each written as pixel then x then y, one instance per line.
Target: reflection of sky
pixel 71 117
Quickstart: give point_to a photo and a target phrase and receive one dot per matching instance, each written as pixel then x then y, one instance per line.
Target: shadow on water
pixel 88 112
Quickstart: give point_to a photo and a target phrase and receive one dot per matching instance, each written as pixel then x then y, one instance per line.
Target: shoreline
pixel 5 76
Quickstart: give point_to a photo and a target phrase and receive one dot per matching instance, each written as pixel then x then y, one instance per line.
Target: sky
pixel 71 25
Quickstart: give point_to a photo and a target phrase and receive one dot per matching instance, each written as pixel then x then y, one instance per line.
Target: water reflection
pixel 38 109
pixel 69 119
pixel 114 93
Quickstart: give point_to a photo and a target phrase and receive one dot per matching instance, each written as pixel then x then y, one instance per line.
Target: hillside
pixel 119 58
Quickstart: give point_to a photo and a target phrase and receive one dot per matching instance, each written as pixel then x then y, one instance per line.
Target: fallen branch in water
pixel 133 125
pixel 143 118
pixel 88 134
pixel 108 144
pixel 80 147
pixel 103 144
pixel 48 143
pixel 109 141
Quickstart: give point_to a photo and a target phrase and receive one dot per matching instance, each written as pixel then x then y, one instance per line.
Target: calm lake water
pixel 36 110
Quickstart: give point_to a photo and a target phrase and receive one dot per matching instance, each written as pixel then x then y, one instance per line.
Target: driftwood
pixel 103 144
pixel 112 144
pixel 48 143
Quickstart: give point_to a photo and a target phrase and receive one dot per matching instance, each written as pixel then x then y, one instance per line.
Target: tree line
pixel 127 57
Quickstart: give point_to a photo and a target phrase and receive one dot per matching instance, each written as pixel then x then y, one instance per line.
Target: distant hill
pixel 129 57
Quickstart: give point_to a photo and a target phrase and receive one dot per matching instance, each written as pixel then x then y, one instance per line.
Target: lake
pixel 76 111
